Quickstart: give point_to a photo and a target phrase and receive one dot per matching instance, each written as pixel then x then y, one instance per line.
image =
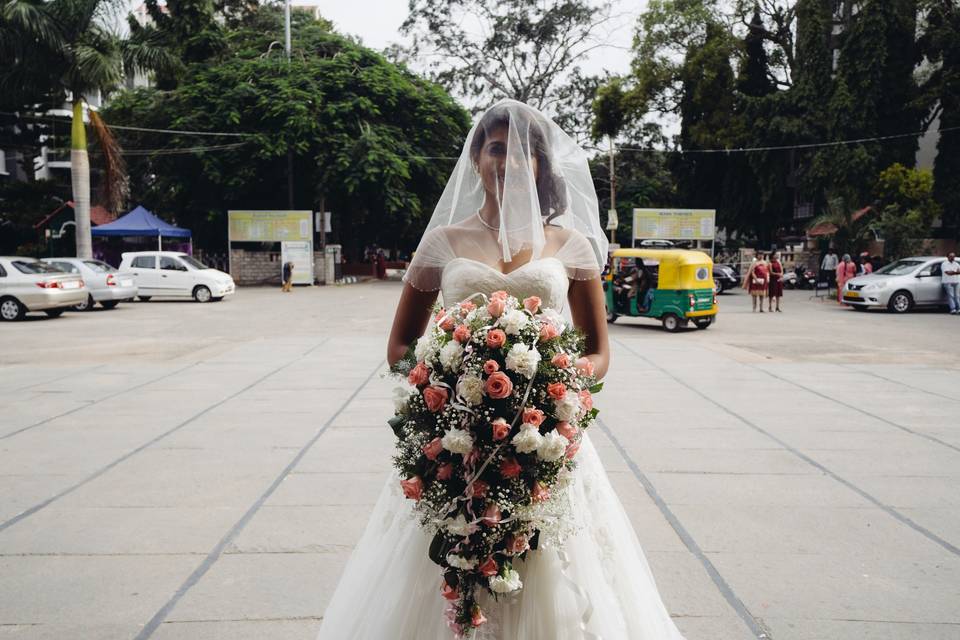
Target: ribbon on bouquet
pixel 581 594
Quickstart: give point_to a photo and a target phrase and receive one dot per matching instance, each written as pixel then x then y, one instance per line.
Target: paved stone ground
pixel 173 470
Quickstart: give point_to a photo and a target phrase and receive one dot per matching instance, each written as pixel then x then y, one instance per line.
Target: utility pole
pixel 613 193
pixel 286 47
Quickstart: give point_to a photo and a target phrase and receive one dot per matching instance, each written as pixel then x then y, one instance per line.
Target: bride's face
pixel 492 163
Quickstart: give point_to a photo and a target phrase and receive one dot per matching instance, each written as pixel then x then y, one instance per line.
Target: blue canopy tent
pixel 141 222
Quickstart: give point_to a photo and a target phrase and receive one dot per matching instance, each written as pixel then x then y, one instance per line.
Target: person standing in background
pixel 775 290
pixel 950 279
pixel 757 281
pixel 828 266
pixel 845 271
pixel 287 276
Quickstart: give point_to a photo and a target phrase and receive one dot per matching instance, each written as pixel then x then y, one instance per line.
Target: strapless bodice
pixel 545 278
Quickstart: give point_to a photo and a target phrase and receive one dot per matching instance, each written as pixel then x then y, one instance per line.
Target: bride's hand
pixel 410 320
pixel 588 309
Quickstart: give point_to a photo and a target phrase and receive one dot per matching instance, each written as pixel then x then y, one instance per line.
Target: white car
pixel 171 273
pixel 26 285
pixel 104 282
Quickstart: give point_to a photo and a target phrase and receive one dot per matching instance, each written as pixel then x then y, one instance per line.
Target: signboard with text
pixel 270 226
pixel 674 224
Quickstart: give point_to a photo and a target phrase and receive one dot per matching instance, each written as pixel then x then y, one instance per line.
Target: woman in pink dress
pixel 845 271
pixel 757 281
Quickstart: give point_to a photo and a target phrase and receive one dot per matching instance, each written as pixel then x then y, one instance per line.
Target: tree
pixel 68 47
pixel 486 50
pixel 370 139
pixel 907 209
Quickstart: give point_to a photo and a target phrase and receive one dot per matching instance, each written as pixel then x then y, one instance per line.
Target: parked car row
pixel 53 285
pixel 900 286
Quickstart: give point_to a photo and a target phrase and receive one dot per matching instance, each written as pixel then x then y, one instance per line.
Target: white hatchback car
pixel 170 273
pixel 104 282
pixel 26 284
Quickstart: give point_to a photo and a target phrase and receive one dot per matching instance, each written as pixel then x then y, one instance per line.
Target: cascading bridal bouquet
pixel 486 439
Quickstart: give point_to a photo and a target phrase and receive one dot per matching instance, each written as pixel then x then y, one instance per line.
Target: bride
pixel 520 214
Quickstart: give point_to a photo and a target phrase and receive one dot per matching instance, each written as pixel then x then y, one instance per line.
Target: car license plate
pixel 852 294
pixel 126 282
pixel 71 284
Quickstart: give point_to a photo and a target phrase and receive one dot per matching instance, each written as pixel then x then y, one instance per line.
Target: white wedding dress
pixel 598 586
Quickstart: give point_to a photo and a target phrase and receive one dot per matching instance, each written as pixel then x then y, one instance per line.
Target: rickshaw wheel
pixel 612 316
pixel 704 323
pixel 671 322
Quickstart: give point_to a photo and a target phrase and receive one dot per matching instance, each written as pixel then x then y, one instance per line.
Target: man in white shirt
pixel 950 277
pixel 828 267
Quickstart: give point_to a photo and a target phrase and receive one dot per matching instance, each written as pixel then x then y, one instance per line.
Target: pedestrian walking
pixel 775 289
pixel 846 270
pixel 866 265
pixel 757 281
pixel 828 266
pixel 287 277
pixel 950 279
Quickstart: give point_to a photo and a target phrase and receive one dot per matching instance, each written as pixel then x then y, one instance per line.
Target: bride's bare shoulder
pixel 559 237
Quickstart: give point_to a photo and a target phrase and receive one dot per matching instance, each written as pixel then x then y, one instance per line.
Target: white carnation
pixel 401 396
pixel 552 447
pixel 513 321
pixel 509 581
pixel 426 346
pixel 459 526
pixel 457 441
pixel 567 408
pixel 523 360
pixel 470 389
pixel 460 562
pixel 451 355
pixel 528 440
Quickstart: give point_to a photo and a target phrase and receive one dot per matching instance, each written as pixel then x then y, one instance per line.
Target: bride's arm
pixel 410 321
pixel 588 308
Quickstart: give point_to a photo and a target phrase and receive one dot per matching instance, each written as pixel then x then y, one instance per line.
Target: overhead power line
pixel 144 129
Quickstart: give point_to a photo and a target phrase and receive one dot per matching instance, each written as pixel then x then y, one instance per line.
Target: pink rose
pixel 479 488
pixel 561 360
pixel 495 308
pixel 467 307
pixel 440 315
pixel 489 567
pixel 461 334
pixel 548 332
pixel 490 366
pixel 510 468
pixel 496 338
pixel 476 616
pixel 499 295
pixel 445 471
pixel 586 400
pixel 556 390
pixel 412 487
pixel 539 493
pixel 450 593
pixel 518 543
pixel 435 397
pixel 500 428
pixel 567 430
pixel 585 365
pixel 498 385
pixel 533 416
pixel 531 304
pixel 419 375
pixel 432 449
pixel 572 449
pixel 491 515
pixel 447 323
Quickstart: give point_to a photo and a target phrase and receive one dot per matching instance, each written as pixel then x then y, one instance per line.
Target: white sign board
pixel 301 255
pixel 674 224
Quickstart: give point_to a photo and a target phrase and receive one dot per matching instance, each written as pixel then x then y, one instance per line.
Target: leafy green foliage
pixel 907 209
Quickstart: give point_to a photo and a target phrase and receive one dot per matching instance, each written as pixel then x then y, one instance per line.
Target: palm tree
pixel 68 47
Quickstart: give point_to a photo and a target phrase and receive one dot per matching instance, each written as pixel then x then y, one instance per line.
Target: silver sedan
pixel 106 285
pixel 900 286
pixel 27 285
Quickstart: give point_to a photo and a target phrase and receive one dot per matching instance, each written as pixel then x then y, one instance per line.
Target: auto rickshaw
pixel 674 286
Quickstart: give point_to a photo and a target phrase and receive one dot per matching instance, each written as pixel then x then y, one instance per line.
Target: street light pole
pixel 286 48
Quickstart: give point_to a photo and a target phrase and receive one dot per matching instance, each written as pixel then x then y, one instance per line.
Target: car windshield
pixel 193 262
pixel 98 266
pixel 35 267
pixel 900 267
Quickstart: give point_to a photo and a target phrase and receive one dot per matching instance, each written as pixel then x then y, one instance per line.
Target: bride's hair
pixel 551 190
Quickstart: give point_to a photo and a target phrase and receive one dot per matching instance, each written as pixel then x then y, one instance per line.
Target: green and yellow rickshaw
pixel 671 285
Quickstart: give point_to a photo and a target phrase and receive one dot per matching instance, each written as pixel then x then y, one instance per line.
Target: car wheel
pixel 54 313
pixel 900 302
pixel 144 298
pixel 86 305
pixel 11 309
pixel 612 316
pixel 109 304
pixel 703 323
pixel 671 322
pixel 201 294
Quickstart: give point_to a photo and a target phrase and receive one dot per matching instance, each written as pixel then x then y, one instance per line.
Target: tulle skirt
pixel 597 583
